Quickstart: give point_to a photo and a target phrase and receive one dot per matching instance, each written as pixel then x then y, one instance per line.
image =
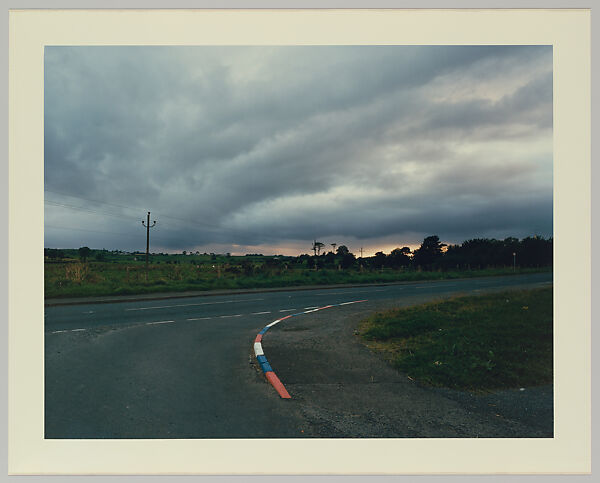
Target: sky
pixel 265 149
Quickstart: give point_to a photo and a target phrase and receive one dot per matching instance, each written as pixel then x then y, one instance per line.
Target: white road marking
pixel 435 285
pixel 88 312
pixel 287 310
pixel 308 308
pixel 169 306
pixel 229 316
pixel 200 318
pixel 261 313
pixel 67 330
pixel 160 322
pixel 192 305
pixel 352 291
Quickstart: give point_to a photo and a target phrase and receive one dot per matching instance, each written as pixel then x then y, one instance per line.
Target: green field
pixel 501 340
pixel 118 274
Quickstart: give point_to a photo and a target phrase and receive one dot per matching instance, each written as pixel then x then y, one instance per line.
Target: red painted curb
pixel 276 383
pixel 258 338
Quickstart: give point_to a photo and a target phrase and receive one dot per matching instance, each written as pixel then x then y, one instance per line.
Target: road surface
pixel 185 367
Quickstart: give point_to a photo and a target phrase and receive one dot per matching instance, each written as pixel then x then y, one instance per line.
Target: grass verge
pixel 102 278
pixel 486 342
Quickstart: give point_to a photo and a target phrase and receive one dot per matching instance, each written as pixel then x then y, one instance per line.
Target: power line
pixel 89 199
pixel 132 235
pixel 84 229
pixel 106 213
pixel 190 224
pixel 157 238
pixel 202 225
pixel 89 210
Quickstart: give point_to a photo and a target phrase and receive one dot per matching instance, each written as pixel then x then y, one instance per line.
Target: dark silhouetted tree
pixel 379 259
pixel 399 257
pixel 348 260
pixel 317 247
pixel 535 252
pixel 429 253
pixel 329 259
pixel 84 252
pixel 302 259
pixel 342 250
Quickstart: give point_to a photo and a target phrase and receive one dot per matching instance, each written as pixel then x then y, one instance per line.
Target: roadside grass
pixel 478 343
pixel 76 279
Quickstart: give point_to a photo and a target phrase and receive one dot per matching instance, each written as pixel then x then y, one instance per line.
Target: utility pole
pixel 360 266
pixel 148 226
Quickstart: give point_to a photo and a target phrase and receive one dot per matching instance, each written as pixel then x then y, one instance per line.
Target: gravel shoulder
pixel 343 390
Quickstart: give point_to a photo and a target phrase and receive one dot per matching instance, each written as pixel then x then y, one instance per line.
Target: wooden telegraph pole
pixel 148 226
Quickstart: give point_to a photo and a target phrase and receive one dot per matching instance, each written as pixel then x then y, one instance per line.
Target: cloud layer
pixel 242 148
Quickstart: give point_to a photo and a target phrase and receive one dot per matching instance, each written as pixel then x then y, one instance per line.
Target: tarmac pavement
pixel 185 368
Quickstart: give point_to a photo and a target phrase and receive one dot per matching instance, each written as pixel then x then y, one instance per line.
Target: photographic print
pixel 325 241
pixel 298 242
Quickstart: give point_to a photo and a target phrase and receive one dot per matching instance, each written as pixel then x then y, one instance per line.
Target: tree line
pixel 432 255
pixel 473 254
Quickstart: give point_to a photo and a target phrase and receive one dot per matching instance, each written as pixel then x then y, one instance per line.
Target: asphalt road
pixel 185 368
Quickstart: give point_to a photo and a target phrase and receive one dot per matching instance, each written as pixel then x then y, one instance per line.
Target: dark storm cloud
pixel 258 145
pixel 530 106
